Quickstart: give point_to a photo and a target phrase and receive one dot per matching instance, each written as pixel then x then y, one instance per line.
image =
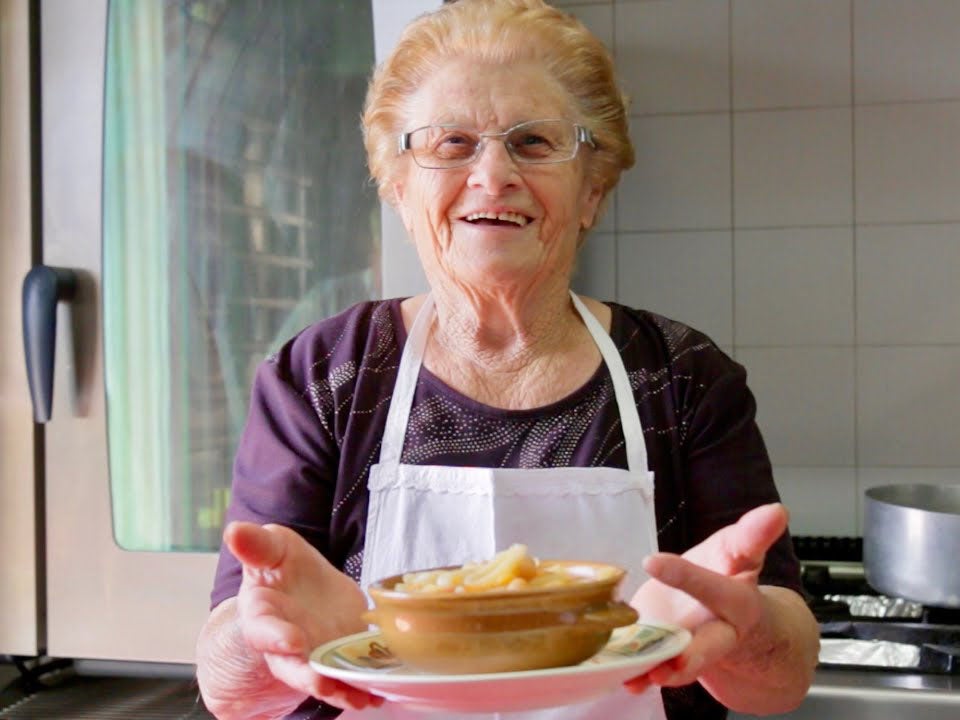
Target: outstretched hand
pixel 292 599
pixel 712 590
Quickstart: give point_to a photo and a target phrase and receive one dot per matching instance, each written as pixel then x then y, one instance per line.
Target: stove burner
pixel 939 644
pixel 847 608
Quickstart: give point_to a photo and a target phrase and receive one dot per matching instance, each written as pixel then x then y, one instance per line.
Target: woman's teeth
pixel 515 218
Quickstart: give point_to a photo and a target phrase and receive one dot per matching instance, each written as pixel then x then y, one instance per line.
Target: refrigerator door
pixel 21 631
pixel 203 178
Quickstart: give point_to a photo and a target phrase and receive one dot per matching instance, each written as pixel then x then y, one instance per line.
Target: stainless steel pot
pixel 911 542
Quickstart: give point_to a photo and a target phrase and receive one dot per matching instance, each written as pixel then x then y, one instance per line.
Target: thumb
pixel 757 530
pixel 255 546
pixel 742 546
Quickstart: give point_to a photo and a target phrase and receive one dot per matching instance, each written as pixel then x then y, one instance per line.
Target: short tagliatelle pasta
pixel 511 569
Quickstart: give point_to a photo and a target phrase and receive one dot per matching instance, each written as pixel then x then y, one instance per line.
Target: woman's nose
pixel 495 169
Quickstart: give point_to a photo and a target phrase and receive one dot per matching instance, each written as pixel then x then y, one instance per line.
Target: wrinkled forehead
pixel 487 97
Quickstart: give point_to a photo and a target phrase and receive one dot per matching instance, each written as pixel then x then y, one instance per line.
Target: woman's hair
pixel 502 32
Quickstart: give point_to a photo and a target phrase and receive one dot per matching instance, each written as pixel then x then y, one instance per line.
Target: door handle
pixel 43 287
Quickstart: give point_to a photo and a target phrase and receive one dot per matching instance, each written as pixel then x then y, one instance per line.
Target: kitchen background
pixel 797 196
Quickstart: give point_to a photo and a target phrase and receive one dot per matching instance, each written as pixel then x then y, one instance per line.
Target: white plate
pixel 363 660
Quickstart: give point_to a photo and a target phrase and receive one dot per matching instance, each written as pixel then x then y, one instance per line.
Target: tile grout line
pixel 855 241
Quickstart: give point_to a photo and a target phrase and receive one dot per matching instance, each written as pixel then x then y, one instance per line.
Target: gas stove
pixel 863 629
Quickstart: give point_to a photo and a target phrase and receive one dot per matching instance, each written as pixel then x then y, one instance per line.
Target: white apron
pixel 424 516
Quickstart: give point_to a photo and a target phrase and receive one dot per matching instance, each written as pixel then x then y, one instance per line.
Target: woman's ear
pixel 396 193
pixel 590 207
pixel 395 198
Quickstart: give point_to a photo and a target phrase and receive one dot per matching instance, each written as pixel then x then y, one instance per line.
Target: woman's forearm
pixel 772 669
pixel 235 681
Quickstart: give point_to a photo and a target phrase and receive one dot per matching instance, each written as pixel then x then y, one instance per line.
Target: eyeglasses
pixel 536 142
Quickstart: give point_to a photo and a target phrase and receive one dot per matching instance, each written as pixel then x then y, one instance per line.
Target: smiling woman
pixel 495 198
pixel 500 408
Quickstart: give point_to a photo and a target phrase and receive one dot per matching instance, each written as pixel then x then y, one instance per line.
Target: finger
pixel 638 684
pixel 732 600
pixel 755 532
pixel 296 672
pixel 742 546
pixel 710 642
pixel 343 695
pixel 271 634
pixel 260 547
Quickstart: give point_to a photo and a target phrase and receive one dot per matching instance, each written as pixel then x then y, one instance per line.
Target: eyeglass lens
pixel 538 141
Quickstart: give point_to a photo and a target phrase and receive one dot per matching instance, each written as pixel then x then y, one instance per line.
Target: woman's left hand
pixel 712 590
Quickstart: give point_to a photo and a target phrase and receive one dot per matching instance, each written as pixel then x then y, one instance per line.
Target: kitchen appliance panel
pixel 21 628
pixel 102 601
pixel 108 602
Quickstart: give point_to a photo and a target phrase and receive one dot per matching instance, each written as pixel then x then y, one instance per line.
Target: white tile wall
pixel 682 177
pixel 906 50
pixel 907 279
pixel 596 272
pixel 687 276
pixel 598 17
pixel 790 53
pixel 907 411
pixel 797 196
pixel 683 48
pixel 908 161
pixel 793 167
pixel 822 500
pixel 794 286
pixel 805 403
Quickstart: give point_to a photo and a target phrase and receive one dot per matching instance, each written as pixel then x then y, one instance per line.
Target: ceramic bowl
pixel 502 630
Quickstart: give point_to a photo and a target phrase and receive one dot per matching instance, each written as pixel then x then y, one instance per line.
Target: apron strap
pixel 629 417
pixel 411 358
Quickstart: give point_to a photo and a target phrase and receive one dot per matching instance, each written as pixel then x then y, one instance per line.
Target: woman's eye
pixel 455 144
pixel 532 146
pixel 531 139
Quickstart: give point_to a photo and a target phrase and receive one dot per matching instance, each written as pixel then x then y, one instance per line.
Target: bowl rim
pixel 383 588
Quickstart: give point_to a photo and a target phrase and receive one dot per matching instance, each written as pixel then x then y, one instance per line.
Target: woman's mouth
pixel 500 219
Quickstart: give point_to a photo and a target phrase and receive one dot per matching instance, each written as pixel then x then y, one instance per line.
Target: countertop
pixel 877 695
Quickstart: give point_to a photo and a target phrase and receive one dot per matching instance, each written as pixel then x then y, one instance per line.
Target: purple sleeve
pixel 284 471
pixel 729 470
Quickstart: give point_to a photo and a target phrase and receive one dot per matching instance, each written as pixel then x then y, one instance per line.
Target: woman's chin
pixel 496 263
pixel 495 272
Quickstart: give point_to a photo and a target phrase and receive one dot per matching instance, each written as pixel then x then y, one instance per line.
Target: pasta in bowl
pixel 508 614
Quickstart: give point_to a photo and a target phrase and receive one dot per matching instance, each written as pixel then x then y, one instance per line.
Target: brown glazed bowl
pixel 502 630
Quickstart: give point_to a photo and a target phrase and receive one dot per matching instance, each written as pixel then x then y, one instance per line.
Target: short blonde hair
pixel 502 32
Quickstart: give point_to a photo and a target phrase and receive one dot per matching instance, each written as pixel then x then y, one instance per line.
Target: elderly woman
pixel 414 432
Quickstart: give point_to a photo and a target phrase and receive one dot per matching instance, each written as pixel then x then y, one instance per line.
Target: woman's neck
pixel 501 333
pixel 510 352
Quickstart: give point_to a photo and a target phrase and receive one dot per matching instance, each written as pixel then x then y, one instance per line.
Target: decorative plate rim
pixel 671 646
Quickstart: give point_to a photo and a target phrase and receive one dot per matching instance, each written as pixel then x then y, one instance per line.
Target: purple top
pixel 319 406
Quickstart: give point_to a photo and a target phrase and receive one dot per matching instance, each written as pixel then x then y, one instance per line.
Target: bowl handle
pixel 370 617
pixel 613 615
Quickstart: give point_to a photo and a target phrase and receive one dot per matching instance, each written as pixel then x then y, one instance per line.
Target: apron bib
pixel 422 516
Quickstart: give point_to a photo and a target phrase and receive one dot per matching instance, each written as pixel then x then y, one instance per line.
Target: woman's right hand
pixel 291 599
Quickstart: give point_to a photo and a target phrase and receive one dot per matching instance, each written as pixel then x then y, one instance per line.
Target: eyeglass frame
pixel 583 136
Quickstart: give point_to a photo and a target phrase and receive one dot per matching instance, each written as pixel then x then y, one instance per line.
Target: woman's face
pixel 547 205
